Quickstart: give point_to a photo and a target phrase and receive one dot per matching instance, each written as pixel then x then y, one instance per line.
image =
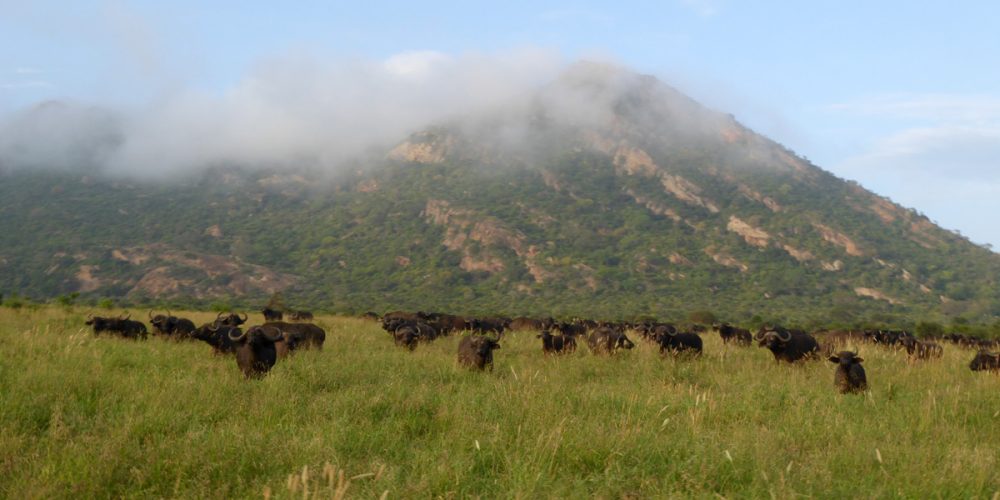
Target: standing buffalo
pixel 122 326
pixel 787 345
pixel 850 375
pixel 984 361
pixel 476 351
pixel 218 336
pixel 272 314
pixel 170 325
pixel 731 334
pixel 231 319
pixel 300 315
pixel 557 344
pixel 673 342
pixel 487 325
pixel 300 335
pixel 255 351
pixel 606 340
pixel 920 349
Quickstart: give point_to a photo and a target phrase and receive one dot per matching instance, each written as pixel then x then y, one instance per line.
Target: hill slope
pixel 607 193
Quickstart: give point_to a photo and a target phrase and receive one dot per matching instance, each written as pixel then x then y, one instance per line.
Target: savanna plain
pixel 105 417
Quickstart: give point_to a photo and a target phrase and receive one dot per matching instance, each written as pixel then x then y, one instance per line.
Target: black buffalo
pixel 300 335
pixel 850 375
pixel 170 325
pixel 732 334
pixel 255 350
pixel 557 344
pixel 604 340
pixel 121 326
pixel 788 345
pixel 218 336
pixel 300 315
pixel 674 342
pixel 484 326
pixel 272 314
pixel 476 351
pixel 985 361
pixel 922 349
pixel 231 319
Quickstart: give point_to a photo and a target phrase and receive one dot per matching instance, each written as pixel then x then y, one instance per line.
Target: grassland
pixel 103 417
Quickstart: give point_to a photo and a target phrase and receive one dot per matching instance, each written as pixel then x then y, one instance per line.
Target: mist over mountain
pixel 593 190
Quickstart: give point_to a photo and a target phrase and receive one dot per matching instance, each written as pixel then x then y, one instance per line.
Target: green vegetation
pixel 104 417
pixel 646 216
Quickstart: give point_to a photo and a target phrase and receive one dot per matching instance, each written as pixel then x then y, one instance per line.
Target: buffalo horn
pixel 238 337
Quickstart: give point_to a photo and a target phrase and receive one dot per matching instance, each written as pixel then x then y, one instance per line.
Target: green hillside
pixel 656 207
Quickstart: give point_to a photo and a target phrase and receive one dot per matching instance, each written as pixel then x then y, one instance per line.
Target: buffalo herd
pixel 259 347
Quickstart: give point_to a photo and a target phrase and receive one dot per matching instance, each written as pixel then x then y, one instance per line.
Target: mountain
pixel 605 193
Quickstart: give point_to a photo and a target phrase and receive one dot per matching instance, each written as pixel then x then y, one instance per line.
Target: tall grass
pixel 97 417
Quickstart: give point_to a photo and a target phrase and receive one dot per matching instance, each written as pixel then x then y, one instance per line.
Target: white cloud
pixel 950 108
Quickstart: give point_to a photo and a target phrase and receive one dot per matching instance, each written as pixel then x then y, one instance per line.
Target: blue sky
pixel 903 97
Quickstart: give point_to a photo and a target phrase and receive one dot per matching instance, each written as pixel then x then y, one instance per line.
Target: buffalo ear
pixel 834 359
pixel 858 360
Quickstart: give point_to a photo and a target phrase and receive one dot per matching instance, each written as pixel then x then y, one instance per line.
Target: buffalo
pixel 218 336
pixel 255 351
pixel 300 315
pixel 921 349
pixel 272 314
pixel 487 325
pixel 557 344
pixel 231 319
pixel 300 335
pixel 607 340
pixel 673 342
pixel 476 351
pixel 121 325
pixel 850 375
pixel 170 325
pixel 732 334
pixel 406 336
pixel 984 361
pixel 787 345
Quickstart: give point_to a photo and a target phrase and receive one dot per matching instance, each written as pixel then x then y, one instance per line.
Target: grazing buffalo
pixel 787 345
pixel 673 342
pixel 984 361
pixel 604 340
pixel 523 324
pixel 476 351
pixel 300 335
pixel 121 326
pixel 272 314
pixel 557 344
pixel 443 324
pixel 850 375
pixel 170 325
pixel 487 325
pixel 300 315
pixel 255 351
pixel 218 336
pixel 732 334
pixel 921 349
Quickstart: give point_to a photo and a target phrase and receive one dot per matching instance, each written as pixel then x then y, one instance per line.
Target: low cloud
pixel 290 110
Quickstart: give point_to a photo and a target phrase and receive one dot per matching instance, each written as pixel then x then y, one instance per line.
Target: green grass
pixel 103 417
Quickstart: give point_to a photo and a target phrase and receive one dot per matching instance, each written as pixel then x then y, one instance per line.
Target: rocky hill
pixel 607 193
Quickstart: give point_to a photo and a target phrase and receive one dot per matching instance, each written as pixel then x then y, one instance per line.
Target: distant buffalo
pixel 170 325
pixel 921 349
pixel 788 345
pixel 985 361
pixel 734 335
pixel 300 316
pixel 121 326
pixel 557 344
pixel 476 351
pixel 272 314
pixel 674 342
pixel 300 335
pixel 606 340
pixel 231 319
